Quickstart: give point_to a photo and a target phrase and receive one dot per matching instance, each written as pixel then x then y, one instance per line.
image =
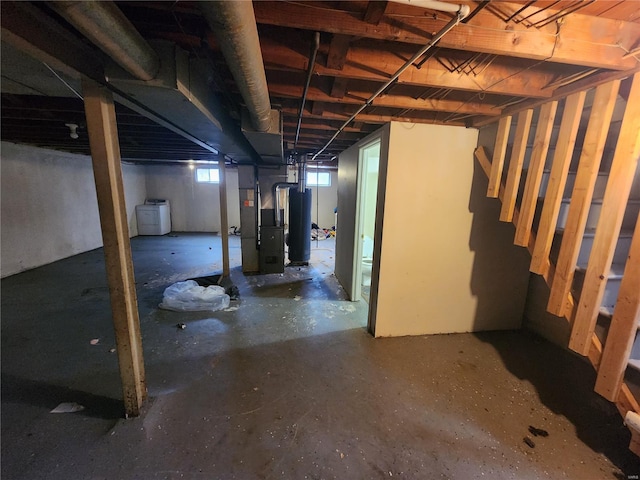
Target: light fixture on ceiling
pixel 73 130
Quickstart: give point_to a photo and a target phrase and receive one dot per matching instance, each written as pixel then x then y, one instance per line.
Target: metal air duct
pixel 106 26
pixel 234 25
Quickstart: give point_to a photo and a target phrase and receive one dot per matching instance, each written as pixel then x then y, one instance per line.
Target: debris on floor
pixel 181 326
pixel 538 432
pixel 95 341
pixel 529 442
pixel 188 296
pixel 67 407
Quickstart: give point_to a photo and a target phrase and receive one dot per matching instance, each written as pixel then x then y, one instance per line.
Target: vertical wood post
pixel 515 165
pixel 499 152
pixel 534 175
pixel 582 195
pixel 107 171
pixel 224 217
pixel 624 325
pixel 623 168
pixel 557 181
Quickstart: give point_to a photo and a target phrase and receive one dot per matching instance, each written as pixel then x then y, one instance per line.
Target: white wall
pixel 323 202
pixel 195 207
pixel 49 208
pixel 446 263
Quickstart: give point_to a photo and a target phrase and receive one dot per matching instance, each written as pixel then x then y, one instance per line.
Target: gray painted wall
pixel 195 207
pixel 49 208
pixel 347 208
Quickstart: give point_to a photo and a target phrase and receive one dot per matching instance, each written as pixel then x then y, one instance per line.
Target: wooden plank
pixel 279 89
pixel 483 159
pixel 557 181
pixel 224 217
pixel 339 87
pixel 377 62
pixel 317 108
pixel 375 11
pixel 621 176
pixel 499 152
pixel 562 92
pixel 624 325
pixel 338 49
pixel 486 34
pixel 534 174
pixel 590 158
pixel 523 127
pixel 107 169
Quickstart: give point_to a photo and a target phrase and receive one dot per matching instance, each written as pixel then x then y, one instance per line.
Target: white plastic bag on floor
pixel 188 296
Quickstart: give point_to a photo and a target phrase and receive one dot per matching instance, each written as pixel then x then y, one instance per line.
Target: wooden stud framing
pixel 224 217
pixel 499 151
pixel 624 325
pixel 621 176
pixel 586 176
pixel 515 165
pixel 557 180
pixel 534 175
pixel 105 155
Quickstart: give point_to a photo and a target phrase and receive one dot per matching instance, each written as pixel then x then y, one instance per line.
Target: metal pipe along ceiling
pixel 234 25
pixel 106 26
pixel 463 10
pixel 312 63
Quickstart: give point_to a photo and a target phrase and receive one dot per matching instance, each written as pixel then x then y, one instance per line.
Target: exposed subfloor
pixel 286 383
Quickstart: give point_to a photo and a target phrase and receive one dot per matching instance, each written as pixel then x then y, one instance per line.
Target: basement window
pixel 207 175
pixel 318 179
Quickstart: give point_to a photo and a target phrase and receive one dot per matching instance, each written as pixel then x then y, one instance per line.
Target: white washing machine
pixel 154 218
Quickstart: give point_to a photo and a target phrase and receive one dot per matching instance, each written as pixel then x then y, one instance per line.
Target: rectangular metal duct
pixel 180 93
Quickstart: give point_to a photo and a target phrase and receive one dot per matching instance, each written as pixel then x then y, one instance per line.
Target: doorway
pixel 368 171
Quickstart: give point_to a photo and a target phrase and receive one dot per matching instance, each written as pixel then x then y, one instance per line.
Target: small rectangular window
pixel 318 179
pixel 207 175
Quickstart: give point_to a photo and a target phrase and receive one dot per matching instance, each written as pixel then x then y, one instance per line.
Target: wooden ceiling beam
pixel 338 49
pixel 375 11
pixel 378 119
pixel 578 40
pixel 513 77
pixel 315 94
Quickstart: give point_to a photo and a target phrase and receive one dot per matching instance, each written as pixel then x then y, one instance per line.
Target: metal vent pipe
pixel 234 25
pixel 106 26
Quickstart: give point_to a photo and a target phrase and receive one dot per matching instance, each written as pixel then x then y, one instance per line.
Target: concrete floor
pixel 285 384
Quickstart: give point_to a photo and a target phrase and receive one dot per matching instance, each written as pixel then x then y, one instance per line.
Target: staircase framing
pixel 609 360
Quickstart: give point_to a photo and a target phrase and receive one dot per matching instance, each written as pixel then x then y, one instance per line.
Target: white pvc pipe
pixel 437 5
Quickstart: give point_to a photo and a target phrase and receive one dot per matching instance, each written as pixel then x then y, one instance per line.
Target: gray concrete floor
pixel 286 383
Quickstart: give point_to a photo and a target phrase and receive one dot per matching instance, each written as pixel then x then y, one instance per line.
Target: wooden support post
pixel 557 181
pixel 224 218
pixel 623 168
pixel 499 152
pixel 515 165
pixel 107 170
pixel 534 175
pixel 586 176
pixel 624 326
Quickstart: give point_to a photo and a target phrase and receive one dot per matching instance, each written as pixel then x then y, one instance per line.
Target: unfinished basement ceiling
pixel 503 57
